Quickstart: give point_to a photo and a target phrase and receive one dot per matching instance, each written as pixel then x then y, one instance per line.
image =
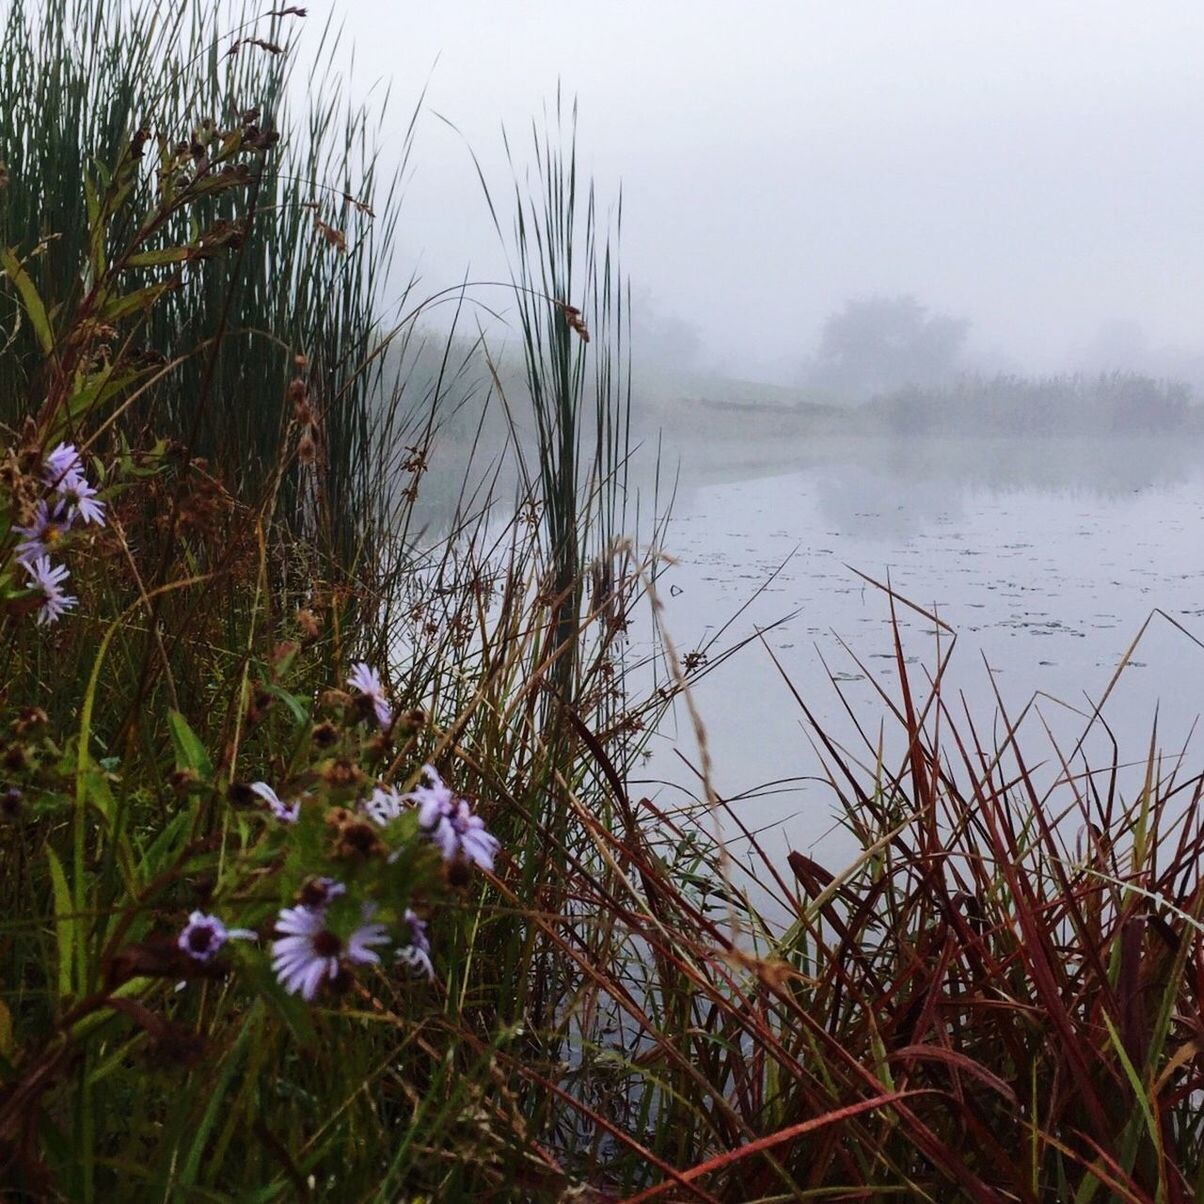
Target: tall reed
pixel 569 294
pixel 311 252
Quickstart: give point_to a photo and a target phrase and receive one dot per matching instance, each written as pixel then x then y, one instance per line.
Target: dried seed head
pixel 331 236
pixel 325 734
pixel 30 719
pixel 359 839
pixel 183 780
pixel 308 622
pixel 16 758
pixel 379 746
pixel 344 773
pixel 572 315
pixel 410 722
pixel 307 449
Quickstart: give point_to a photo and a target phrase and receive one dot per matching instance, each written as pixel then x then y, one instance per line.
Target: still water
pixel 1046 561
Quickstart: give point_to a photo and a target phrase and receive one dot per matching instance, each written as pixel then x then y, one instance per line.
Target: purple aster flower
pixel 385 805
pixel 203 936
pixel 308 952
pixel 79 498
pixel 286 813
pixel 463 834
pixel 48 581
pixel 367 681
pixel 50 524
pixel 60 462
pixel 451 824
pixel 359 943
pixel 432 795
pixel 417 953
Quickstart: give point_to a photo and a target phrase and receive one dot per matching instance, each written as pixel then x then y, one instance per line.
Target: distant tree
pixel 878 344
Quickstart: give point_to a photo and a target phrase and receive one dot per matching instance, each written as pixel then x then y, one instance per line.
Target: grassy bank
pixel 321 874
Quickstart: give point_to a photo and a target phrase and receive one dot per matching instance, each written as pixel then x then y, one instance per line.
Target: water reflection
pixel 1046 559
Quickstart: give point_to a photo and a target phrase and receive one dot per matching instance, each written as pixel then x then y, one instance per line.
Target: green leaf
pixel 154 259
pixel 190 752
pixel 96 789
pixel 96 231
pixel 139 299
pixel 65 923
pixel 29 298
pixel 1139 1088
pixel 299 712
pixel 99 387
pixel 165 847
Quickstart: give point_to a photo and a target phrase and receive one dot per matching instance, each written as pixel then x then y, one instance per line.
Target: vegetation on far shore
pixel 322 875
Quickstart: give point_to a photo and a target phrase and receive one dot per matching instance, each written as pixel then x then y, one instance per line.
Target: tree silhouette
pixel 876 344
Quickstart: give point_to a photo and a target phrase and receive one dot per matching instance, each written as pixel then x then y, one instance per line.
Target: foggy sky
pixel 1035 166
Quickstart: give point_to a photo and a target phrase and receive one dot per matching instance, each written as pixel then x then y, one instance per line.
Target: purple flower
pixel 367 681
pixel 308 952
pixel 385 805
pixel 367 934
pixel 417 953
pixel 48 581
pixel 286 813
pixel 49 525
pixel 432 795
pixel 450 823
pixel 79 498
pixel 60 462
pixel 203 936
pixel 463 834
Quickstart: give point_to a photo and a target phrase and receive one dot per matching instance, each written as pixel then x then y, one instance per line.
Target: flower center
pixel 200 938
pixel 326 944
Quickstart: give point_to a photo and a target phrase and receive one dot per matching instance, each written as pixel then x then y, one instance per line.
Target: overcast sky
pixel 1033 165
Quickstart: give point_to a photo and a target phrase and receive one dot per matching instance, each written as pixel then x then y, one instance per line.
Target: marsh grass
pixel 76 80
pixel 997 1000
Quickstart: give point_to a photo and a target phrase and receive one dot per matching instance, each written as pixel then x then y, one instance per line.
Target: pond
pixel 1046 559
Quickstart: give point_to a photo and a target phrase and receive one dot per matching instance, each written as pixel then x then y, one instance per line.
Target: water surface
pixel 1046 560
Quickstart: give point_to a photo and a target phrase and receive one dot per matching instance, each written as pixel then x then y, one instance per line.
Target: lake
pixel 1046 560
